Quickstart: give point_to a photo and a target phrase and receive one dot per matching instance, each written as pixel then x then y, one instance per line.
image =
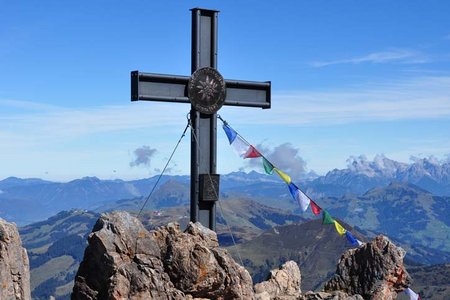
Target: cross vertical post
pixel 204 126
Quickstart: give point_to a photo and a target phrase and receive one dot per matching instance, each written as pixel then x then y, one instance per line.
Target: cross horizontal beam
pixel 173 88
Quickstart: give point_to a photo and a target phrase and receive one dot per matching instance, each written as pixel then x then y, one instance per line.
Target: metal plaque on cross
pixel 206 90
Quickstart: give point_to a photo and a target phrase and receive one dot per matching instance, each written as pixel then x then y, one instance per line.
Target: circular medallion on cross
pixel 206 90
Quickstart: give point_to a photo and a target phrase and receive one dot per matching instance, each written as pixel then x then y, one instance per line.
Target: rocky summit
pixel 14 266
pixel 374 270
pixel 125 261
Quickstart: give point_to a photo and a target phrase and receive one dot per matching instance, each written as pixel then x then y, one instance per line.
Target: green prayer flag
pixel 268 167
pixel 327 219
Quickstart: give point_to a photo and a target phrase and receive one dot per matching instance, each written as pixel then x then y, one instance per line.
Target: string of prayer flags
pixel 412 295
pixel 245 150
pixel 341 230
pixel 283 176
pixel 252 153
pixel 299 196
pixel 315 208
pixel 326 218
pixel 268 167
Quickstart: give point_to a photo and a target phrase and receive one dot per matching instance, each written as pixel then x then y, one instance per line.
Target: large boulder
pixel 125 261
pixel 374 271
pixel 14 265
pixel 198 267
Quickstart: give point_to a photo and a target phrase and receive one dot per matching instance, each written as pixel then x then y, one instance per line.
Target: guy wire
pixel 165 167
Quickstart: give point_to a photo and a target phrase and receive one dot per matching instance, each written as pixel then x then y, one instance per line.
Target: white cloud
pixel 285 156
pixel 49 122
pixel 402 56
pixel 27 105
pixel 420 98
pixel 416 99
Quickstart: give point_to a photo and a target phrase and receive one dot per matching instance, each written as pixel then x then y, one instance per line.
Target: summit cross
pixel 207 91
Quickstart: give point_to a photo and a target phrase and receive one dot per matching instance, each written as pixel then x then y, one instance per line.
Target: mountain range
pixel 45 198
pixel 407 202
pixel 361 175
pixel 404 212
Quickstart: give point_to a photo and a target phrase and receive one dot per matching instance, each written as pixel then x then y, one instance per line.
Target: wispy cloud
pixel 415 99
pixel 402 56
pixel 45 137
pixel 50 122
pixel 26 105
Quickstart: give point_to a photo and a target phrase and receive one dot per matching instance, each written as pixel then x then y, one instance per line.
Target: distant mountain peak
pixel 362 174
pixel 13 181
pixel 90 178
pixel 380 166
pixel 86 179
pixel 396 187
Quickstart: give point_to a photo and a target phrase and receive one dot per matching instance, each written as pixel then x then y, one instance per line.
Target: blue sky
pixel 348 78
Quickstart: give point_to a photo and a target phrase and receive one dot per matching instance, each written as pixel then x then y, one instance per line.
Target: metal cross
pixel 174 88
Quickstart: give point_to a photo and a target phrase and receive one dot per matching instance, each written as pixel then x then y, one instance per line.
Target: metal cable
pixel 165 167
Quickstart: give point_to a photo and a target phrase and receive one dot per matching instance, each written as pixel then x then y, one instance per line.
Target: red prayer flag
pixel 315 208
pixel 252 153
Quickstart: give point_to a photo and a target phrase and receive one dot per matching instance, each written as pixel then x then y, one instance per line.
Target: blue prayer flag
pixel 231 134
pixel 351 239
pixel 293 189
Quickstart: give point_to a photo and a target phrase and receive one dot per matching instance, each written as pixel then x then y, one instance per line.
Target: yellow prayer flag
pixel 283 176
pixel 341 230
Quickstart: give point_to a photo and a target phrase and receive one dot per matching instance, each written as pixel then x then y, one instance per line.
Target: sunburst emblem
pixel 207 88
